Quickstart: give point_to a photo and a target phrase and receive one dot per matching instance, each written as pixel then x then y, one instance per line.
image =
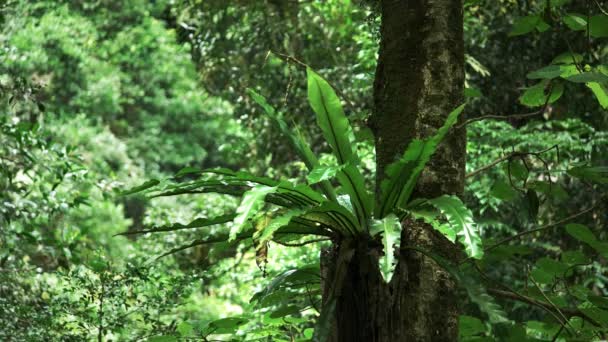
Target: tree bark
pixel 419 80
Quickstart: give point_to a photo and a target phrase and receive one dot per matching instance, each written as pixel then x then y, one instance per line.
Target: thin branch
pixel 508 157
pixel 542 110
pixel 293 60
pixel 568 312
pixel 491 165
pixel 541 228
pixel 555 307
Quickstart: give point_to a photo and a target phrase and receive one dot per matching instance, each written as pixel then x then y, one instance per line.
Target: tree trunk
pixel 419 80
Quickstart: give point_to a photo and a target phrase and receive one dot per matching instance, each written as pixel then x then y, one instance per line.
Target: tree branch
pixel 541 228
pixel 568 312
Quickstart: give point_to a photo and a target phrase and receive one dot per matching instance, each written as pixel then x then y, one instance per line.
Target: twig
pixel 508 157
pixel 600 7
pixel 512 116
pixel 293 60
pixel 561 314
pixel 530 231
pixel 521 298
pixel 489 166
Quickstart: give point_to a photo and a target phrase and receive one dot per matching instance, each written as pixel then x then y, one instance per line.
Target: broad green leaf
pixel 330 117
pixel 253 201
pixel 581 233
pixel 598 26
pixel 470 326
pixel 323 172
pixel 484 301
pixel 471 92
pixel 524 25
pixel 402 175
pixel 290 278
pixel 503 191
pixel 568 58
pixel 390 228
pixel 600 92
pixel 353 184
pixel 227 325
pixel 276 223
pixel 546 270
pixel 548 72
pixel 429 215
pixel 575 21
pixel 334 215
pixel 535 96
pixel 339 135
pixel 197 223
pixel 596 174
pixel 586 77
pixel 461 220
pixel 184 329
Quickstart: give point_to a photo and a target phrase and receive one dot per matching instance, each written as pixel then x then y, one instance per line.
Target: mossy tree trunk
pixel 419 80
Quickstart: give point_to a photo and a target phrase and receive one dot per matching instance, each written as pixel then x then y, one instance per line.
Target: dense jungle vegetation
pixel 295 170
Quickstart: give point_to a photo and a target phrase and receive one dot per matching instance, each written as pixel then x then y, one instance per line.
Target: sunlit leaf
pixel 461 220
pixel 390 229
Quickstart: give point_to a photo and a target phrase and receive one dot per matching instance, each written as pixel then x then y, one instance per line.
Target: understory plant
pixel 334 203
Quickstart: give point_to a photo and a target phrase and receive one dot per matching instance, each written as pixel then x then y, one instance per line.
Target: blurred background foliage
pixel 97 96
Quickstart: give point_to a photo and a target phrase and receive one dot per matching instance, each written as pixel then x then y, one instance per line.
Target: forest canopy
pixel 292 170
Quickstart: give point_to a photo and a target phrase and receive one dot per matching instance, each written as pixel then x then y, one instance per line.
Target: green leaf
pixel 188 170
pixel 568 58
pixel 402 175
pixel 301 147
pixel 588 77
pixel 524 25
pixel 339 135
pixel 276 223
pixel 546 270
pixel 184 329
pixel 227 325
pixel 597 174
pixel 581 233
pixel 353 184
pixel 470 326
pixel 390 228
pixel 535 95
pixel 252 202
pixel 472 92
pixel 548 72
pixel 323 172
pixel 430 217
pixel 147 185
pixel 330 117
pixel 598 26
pixel 197 223
pixel 484 301
pixel 289 278
pixel 600 92
pixel 575 21
pixel 503 191
pixel 323 325
pixel 461 220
